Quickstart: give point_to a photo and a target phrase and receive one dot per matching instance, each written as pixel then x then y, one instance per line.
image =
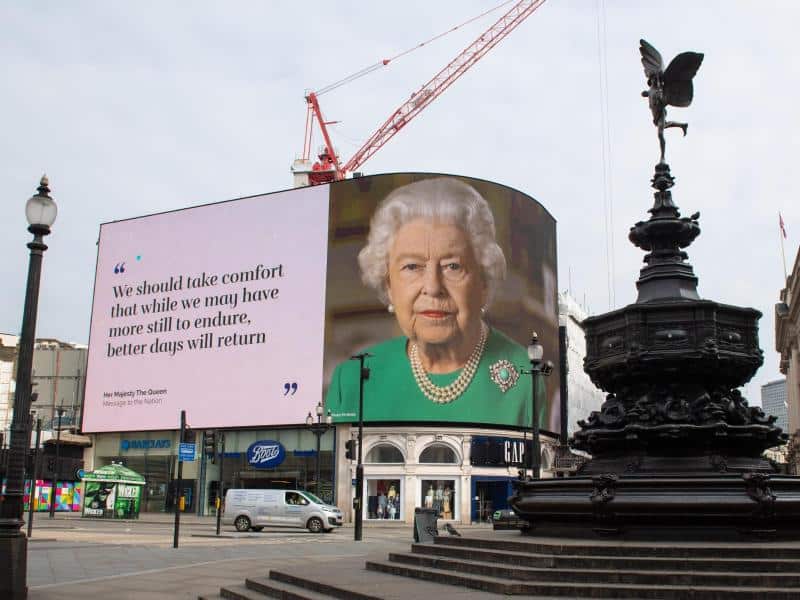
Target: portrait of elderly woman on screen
pixel 432 258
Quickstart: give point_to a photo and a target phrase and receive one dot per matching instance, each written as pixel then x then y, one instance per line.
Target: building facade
pixel 583 396
pixel 787 343
pixel 8 363
pixel 58 376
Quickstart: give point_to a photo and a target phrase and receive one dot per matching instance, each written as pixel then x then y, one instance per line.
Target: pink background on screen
pixel 219 387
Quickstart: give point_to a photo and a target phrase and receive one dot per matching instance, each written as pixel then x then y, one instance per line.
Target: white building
pixel 8 362
pixel 583 396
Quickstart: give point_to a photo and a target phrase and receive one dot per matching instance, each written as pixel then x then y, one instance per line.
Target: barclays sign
pixel 143 444
pixel 265 454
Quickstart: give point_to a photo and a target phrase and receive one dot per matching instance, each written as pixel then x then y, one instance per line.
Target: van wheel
pixel 314 525
pixel 242 523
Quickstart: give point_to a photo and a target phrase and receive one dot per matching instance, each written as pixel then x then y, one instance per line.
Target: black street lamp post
pixel 539 368
pixel 40 211
pixel 318 429
pixel 57 466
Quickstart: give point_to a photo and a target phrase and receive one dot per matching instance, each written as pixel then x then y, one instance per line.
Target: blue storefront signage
pixel 143 444
pixel 265 454
pixel 186 451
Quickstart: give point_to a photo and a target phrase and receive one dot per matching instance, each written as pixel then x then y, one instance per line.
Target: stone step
pixel 318 583
pixel 286 591
pixel 352 580
pixel 582 590
pixel 242 592
pixel 520 543
pixel 614 561
pixel 600 576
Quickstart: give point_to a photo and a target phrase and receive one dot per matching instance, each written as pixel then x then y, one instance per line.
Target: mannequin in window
pixel 429 497
pixel 446 508
pixel 382 501
pixel 438 498
pixel 392 493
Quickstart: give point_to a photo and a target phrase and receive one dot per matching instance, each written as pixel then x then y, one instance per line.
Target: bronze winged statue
pixel 672 87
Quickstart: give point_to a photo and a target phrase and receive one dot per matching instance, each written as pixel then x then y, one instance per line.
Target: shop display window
pixel 384 453
pixel 440 495
pixel 383 499
pixel 438 453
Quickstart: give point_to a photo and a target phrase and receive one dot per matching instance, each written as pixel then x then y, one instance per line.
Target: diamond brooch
pixel 504 374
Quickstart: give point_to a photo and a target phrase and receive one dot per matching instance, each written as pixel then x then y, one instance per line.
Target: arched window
pixel 384 453
pixel 438 453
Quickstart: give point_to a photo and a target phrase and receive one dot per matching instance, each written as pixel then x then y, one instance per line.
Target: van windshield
pixel 312 497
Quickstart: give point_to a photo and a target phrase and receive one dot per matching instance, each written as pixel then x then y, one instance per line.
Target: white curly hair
pixel 444 200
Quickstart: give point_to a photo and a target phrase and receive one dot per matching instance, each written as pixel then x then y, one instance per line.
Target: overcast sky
pixel 139 107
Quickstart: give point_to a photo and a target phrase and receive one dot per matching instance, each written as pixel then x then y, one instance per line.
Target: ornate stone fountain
pixel 677 451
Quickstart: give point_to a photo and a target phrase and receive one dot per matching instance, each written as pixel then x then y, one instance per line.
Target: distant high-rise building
pixel 774 402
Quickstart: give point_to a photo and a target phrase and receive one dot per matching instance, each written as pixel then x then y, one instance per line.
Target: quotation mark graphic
pixel 288 387
pixel 119 268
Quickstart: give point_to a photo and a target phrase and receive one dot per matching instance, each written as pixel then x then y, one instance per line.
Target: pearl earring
pixel 390 308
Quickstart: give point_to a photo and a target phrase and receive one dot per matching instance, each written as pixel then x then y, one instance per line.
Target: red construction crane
pixel 328 168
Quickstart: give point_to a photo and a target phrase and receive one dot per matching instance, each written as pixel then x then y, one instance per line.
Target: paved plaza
pixel 135 559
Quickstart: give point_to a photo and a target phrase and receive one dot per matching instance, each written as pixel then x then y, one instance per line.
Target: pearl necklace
pixel 448 393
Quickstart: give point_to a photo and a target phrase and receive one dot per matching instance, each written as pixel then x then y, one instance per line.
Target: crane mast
pixel 329 168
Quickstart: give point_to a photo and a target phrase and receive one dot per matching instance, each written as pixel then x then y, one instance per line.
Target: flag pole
pixel 782 236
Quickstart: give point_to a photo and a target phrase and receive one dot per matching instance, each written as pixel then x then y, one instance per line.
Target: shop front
pixel 464 474
pixel 274 458
pixel 498 459
pixel 153 455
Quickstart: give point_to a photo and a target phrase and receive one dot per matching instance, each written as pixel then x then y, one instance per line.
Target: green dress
pixel 391 393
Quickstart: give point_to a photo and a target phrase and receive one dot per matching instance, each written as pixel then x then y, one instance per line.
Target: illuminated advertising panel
pixel 246 312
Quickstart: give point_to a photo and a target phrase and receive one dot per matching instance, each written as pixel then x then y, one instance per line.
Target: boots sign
pixel 265 454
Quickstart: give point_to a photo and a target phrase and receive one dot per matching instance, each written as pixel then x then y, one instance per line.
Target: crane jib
pixel 418 100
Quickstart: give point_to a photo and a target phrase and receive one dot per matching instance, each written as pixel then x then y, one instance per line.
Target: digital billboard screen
pixel 247 312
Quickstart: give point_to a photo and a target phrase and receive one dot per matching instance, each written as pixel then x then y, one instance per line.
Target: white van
pixel 256 509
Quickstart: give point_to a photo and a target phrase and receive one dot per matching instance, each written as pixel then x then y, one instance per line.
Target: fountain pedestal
pixel 677 451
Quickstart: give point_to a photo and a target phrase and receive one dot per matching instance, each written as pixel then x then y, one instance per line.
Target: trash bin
pixel 425 528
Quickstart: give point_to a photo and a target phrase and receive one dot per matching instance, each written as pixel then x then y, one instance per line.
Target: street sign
pixel 186 452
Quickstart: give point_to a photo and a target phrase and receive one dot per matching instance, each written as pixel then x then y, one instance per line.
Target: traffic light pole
pixel 179 483
pixel 363 374
pixel 57 470
pixel 221 491
pixel 34 476
pixel 201 479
